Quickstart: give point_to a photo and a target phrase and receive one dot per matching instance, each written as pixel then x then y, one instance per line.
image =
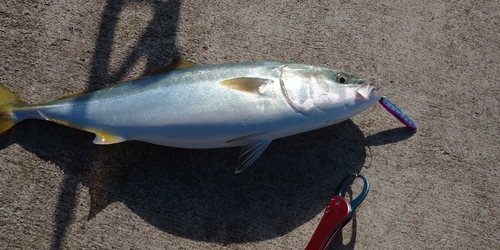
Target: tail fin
pixel 8 102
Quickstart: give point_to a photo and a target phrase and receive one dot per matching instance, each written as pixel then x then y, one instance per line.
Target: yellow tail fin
pixel 8 101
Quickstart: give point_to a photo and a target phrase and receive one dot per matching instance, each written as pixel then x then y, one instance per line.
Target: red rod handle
pixel 337 214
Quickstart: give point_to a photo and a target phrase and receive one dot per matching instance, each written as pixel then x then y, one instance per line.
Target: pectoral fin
pixel 250 85
pixel 250 152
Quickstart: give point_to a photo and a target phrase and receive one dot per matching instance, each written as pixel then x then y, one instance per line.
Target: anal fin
pixel 250 152
pixel 102 138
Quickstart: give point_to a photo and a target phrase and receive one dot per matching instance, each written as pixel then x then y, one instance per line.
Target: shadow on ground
pixel 156 44
pixel 195 193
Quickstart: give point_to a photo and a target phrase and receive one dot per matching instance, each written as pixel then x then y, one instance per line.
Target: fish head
pixel 321 92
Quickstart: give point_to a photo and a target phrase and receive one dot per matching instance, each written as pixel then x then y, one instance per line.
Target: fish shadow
pixel 195 193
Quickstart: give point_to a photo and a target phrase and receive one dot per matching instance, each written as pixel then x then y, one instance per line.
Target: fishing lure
pixel 396 112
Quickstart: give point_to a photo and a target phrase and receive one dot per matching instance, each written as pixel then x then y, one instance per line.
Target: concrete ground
pixel 437 188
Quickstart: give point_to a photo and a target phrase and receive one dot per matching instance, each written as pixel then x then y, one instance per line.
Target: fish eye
pixel 341 79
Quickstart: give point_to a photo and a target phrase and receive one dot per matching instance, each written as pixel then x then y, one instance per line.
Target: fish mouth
pixel 364 89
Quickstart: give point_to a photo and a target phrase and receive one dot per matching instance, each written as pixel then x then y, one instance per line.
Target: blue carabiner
pixel 341 190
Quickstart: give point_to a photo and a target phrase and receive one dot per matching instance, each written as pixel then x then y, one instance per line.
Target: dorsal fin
pixel 75 94
pixel 175 65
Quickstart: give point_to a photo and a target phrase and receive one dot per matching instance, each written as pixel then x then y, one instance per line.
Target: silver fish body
pixel 226 105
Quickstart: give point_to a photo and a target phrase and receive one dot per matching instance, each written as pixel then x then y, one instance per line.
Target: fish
pixel 186 105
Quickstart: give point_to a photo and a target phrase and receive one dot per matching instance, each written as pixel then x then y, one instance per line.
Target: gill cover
pixel 299 86
pixel 310 90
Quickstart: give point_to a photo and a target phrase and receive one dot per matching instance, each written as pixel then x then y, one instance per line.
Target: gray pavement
pixel 436 188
